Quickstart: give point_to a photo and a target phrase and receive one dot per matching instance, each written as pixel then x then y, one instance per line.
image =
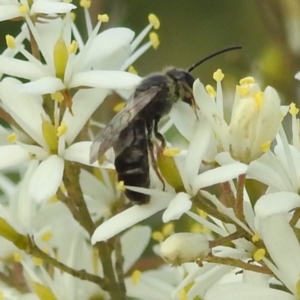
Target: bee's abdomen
pixel 132 164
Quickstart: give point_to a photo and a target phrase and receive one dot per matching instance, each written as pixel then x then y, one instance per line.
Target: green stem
pixel 229 198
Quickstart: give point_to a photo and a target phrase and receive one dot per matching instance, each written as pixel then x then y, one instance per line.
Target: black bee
pixel 130 131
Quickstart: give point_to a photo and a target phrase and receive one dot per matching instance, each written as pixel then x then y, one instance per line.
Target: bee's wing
pixel 109 135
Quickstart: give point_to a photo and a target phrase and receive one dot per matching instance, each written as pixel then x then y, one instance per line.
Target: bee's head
pixel 184 81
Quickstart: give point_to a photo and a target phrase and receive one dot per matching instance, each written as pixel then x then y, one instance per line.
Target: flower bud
pixel 184 247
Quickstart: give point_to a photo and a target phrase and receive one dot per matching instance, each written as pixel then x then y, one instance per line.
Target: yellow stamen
pixel 49 133
pixel 293 109
pixel 247 80
pixel 132 70
pixel 17 257
pixel 136 276
pixel 23 9
pixel 47 236
pixel 37 261
pixel 259 254
pixel 12 138
pixel 72 48
pixel 10 41
pixel 153 19
pixel 265 147
pixel 62 129
pixel 168 229
pixel 120 186
pixel 171 152
pixel 218 75
pixel 58 96
pixel 73 16
pixel 259 99
pixel 157 236
pixel 103 18
pixel 255 237
pixel 211 91
pixel 60 57
pixel 119 106
pixel 243 90
pixel 153 36
pixel 85 3
pixel 182 295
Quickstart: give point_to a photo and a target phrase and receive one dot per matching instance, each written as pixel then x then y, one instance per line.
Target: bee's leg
pixel 158 135
pixel 152 156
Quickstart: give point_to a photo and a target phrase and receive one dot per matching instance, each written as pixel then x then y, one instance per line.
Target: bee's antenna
pixel 211 56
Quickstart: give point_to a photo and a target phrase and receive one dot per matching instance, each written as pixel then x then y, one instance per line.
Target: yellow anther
pixel 119 106
pixel 247 80
pixel 171 152
pixel 85 3
pixel 168 229
pixel 153 37
pixel 153 19
pixel 218 75
pixel 17 257
pixel 72 48
pixel 132 70
pixel 255 237
pixel 23 9
pixel 136 276
pixel 60 57
pixel 202 213
pixel 211 91
pixel 259 96
pixel 182 295
pixel 243 90
pixel 196 228
pixel 47 236
pixel 259 254
pixel 265 147
pixel 58 96
pixel 120 186
pixel 293 109
pixel 12 138
pixel 73 16
pixel 62 129
pixel 103 18
pixel 10 41
pixel 53 199
pixel 37 261
pixel 157 236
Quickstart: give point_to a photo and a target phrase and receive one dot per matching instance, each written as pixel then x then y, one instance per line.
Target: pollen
pixel 62 129
pixel 10 41
pixel 17 257
pixel 136 276
pixel 103 18
pixel 153 37
pixel 37 261
pixel 218 75
pixel 243 90
pixel 168 229
pixel 265 147
pixel 119 106
pixel 132 70
pixel 211 91
pixel 247 80
pixel 153 19
pixel 293 109
pixel 23 9
pixel 170 152
pixel 259 99
pixel 58 96
pixel 157 236
pixel 85 3
pixel 255 237
pixel 47 236
pixel 72 48
pixel 120 186
pixel 12 138
pixel 259 254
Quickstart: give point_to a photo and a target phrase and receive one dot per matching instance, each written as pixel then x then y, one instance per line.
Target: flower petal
pixel 51 7
pixel 79 152
pixel 46 179
pixel 12 155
